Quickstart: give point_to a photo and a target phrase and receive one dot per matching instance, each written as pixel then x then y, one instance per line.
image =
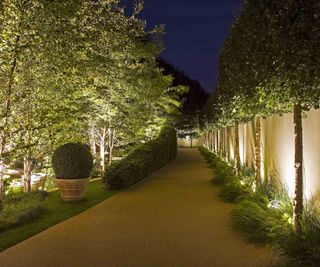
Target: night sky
pixel 195 32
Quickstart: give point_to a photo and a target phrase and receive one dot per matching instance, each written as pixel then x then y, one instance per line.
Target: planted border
pixel 264 214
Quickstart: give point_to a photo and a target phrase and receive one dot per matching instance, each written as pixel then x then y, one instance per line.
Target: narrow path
pixel 172 218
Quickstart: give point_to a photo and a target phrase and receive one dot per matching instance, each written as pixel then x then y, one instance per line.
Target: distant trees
pixel 269 65
pixel 193 100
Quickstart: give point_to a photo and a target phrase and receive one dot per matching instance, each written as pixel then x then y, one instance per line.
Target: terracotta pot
pixel 72 189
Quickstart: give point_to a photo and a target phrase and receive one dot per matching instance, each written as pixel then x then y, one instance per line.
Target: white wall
pixel 277 143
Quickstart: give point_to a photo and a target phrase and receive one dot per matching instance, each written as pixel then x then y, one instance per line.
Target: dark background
pixel 195 32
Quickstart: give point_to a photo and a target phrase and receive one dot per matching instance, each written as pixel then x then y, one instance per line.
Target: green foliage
pixel 78 71
pixel 20 209
pixel 266 65
pixel 233 187
pixel 263 215
pixel 301 248
pixel 72 161
pixel 142 161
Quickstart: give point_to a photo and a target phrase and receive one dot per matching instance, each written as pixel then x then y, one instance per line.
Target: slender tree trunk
pixel 27 160
pixel 221 142
pixel 298 165
pixel 228 144
pixel 111 144
pixel 207 140
pixel 27 172
pixel 213 141
pixel 237 149
pixel 92 141
pixel 217 141
pixel 102 151
pixel 258 150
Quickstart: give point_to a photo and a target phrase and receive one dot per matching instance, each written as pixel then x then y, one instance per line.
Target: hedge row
pixel 142 161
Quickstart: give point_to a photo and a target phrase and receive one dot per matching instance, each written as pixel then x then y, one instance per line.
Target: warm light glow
pixel 242 141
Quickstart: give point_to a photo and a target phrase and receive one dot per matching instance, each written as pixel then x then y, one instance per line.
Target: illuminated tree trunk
pixel 102 151
pixel 217 141
pixel 5 116
pixel 298 164
pixel 111 133
pixel 27 160
pixel 210 140
pixel 207 140
pixel 237 149
pixel 221 142
pixel 258 150
pixel 213 140
pixel 92 141
pixel 226 143
pixel 27 172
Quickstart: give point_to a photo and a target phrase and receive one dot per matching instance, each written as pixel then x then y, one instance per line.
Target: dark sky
pixel 195 32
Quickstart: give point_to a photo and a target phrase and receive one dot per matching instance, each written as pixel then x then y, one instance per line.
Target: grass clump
pixel 263 214
pixel 301 248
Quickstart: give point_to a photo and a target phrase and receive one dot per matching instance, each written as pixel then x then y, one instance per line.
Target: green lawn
pixel 56 211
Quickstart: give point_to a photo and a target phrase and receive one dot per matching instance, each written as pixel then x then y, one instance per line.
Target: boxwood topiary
pixel 72 161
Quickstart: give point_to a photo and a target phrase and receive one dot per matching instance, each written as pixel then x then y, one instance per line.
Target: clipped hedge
pixel 142 161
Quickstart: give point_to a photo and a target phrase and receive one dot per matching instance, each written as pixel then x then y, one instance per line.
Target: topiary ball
pixel 72 161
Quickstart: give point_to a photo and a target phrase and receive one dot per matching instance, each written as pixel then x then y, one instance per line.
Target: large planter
pixel 72 189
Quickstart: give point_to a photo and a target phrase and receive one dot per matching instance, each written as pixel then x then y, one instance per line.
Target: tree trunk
pixel 258 150
pixel 213 141
pixel 92 141
pixel 102 151
pixel 228 144
pixel 223 153
pixel 217 141
pixel 298 165
pixel 237 149
pixel 111 144
pixel 207 140
pixel 27 172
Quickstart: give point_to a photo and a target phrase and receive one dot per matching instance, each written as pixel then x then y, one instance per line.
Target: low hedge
pixel 142 161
